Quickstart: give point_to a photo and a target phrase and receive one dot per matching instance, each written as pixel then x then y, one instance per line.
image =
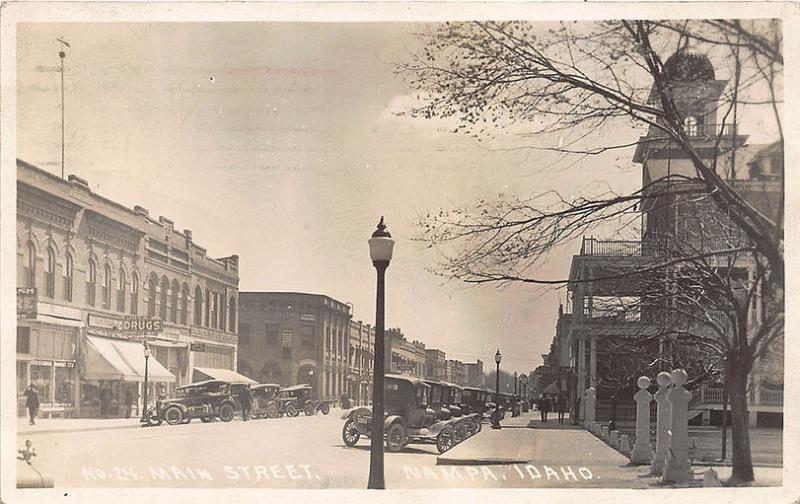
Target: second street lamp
pixel 381 246
pixel 497 358
pixel 144 394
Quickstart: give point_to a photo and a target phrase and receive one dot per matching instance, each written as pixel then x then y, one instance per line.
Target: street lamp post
pixel 144 394
pixel 380 251
pixel 515 383
pixel 497 358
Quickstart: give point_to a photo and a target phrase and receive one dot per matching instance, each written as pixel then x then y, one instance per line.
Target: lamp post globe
pixel 381 247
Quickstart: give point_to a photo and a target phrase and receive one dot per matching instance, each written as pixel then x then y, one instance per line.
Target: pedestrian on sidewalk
pixel 544 407
pixel 246 400
pixel 562 407
pixel 128 402
pixel 105 401
pixel 32 403
pixel 495 417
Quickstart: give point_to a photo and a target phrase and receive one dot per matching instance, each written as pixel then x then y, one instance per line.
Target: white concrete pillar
pixel 613 438
pixel 662 422
pixel 593 362
pixel 677 466
pixel 642 452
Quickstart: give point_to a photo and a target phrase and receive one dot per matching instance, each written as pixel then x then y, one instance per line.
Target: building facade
pixel 403 356
pixel 435 364
pixel 85 266
pixel 456 372
pixel 474 373
pixel 291 338
pixel 360 362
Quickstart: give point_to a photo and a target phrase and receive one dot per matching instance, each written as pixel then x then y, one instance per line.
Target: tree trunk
pixel 740 441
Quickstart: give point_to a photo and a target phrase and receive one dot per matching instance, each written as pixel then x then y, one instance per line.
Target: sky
pixel 280 142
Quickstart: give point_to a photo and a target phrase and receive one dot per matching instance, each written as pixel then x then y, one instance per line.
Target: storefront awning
pixel 202 374
pixel 111 359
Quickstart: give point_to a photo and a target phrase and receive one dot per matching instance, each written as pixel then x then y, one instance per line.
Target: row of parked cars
pixel 421 411
pixel 216 399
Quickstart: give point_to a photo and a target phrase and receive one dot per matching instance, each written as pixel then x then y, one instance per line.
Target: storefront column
pixel 593 362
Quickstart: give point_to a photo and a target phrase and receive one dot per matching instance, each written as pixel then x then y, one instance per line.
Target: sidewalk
pixel 52 425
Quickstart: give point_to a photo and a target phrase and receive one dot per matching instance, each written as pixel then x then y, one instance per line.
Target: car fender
pixel 392 419
pixel 358 411
pixel 439 426
pixel 180 406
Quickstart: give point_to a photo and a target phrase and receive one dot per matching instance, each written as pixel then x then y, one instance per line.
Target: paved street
pixel 307 452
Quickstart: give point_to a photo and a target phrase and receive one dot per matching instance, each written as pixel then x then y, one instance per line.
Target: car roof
pixel 202 383
pixel 452 385
pixel 302 386
pixel 265 385
pixel 410 379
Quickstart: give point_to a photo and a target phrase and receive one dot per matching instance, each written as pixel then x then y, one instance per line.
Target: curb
pixel 480 461
pixel 81 429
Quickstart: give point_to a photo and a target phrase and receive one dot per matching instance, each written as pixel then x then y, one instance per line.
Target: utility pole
pixel 62 55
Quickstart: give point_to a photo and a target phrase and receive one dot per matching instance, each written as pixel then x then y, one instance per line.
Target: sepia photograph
pixel 414 251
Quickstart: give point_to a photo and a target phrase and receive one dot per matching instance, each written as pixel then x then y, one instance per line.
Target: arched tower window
pixel 162 305
pixel 50 273
pixel 232 315
pixel 107 287
pixel 184 304
pixel 173 316
pixel 30 267
pixel 134 294
pixel 122 284
pixel 152 287
pixel 68 277
pixel 91 283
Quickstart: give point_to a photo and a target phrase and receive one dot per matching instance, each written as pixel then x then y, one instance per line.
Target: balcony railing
pixel 771 397
pixel 708 130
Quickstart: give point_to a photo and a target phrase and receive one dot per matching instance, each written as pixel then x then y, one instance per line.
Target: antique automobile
pixel 470 423
pixel 474 400
pixel 205 400
pixel 305 402
pixel 438 400
pixel 265 404
pixel 286 401
pixel 407 417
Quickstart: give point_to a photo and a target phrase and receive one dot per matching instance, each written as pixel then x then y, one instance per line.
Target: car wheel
pixel 272 411
pixel 206 419
pixel 152 419
pixel 308 409
pixel 291 410
pixel 396 437
pixel 445 441
pixel 325 409
pixel 187 420
pixel 350 434
pixel 173 415
pixel 226 412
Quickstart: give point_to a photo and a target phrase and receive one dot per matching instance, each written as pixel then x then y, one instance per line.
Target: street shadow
pixel 407 450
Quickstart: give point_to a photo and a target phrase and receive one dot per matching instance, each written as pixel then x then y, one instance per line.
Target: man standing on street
pixel 32 402
pixel 246 400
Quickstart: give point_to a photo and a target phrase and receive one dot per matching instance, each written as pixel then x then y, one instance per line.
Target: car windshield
pixel 456 396
pixel 422 396
pixel 436 396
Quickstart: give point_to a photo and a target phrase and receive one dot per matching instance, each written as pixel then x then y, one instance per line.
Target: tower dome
pixel 686 66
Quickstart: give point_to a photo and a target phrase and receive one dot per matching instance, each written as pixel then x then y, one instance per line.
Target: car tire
pixel 396 437
pixel 206 419
pixel 325 409
pixel 350 434
pixel 226 412
pixel 309 409
pixel 272 411
pixel 291 410
pixel 445 440
pixel 173 415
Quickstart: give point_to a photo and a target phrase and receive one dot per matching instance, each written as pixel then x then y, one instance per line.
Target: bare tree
pixel 576 80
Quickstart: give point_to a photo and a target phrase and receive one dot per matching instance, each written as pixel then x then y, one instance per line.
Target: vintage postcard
pixel 432 250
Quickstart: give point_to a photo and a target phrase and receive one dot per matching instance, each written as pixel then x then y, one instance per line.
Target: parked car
pixel 408 417
pixel 306 403
pixel 265 397
pixel 286 401
pixel 453 399
pixel 205 400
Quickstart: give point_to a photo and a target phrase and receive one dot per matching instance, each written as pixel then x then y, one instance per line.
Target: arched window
pixel 121 288
pixel 107 287
pixel 152 287
pixel 162 305
pixel 198 306
pixel 208 308
pixel 173 316
pixel 50 273
pixel 184 304
pixel 30 268
pixel 91 283
pixel 232 316
pixel 134 294
pixel 223 312
pixel 68 277
pixel 690 126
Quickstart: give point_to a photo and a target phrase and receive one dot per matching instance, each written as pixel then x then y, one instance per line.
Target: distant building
pixel 435 364
pixel 360 362
pixel 85 264
pixel 474 373
pixel 456 373
pixel 403 356
pixel 291 338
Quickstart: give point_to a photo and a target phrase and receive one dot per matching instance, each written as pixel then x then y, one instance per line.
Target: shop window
pixel 24 340
pixel 91 283
pixel 184 304
pixel 65 385
pixel 68 277
pixel 50 273
pixel 134 294
pixel 232 315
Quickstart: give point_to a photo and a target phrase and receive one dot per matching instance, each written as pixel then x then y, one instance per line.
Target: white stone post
pixel 642 452
pixel 677 466
pixel 662 422
pixel 590 400
pixel 613 438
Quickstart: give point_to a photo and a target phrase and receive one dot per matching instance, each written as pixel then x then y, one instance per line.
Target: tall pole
pixel 515 383
pixel 497 386
pixel 62 55
pixel 376 480
pixel 144 394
